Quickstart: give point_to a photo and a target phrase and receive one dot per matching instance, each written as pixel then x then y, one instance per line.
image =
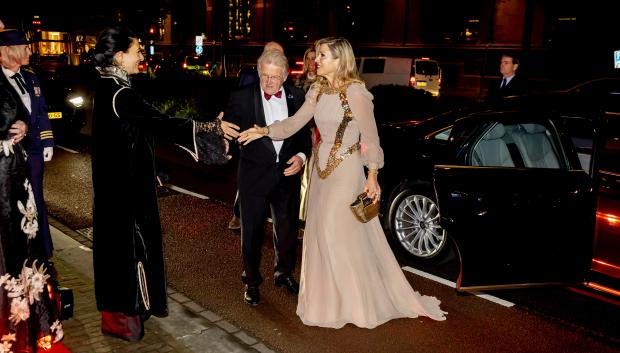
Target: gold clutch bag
pixel 364 209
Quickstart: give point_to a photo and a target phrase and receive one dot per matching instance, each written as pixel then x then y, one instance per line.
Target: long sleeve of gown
pixel 283 129
pixel 360 101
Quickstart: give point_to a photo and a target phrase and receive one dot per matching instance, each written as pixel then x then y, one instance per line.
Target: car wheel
pixel 414 225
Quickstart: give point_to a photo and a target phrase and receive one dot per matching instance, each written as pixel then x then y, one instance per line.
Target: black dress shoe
pixel 288 282
pixel 251 295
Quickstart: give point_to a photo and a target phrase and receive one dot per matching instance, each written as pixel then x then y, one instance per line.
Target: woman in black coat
pixel 130 281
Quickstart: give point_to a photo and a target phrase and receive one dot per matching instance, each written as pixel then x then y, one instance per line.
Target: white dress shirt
pixel 275 110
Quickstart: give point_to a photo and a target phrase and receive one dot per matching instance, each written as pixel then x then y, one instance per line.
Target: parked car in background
pixel 426 75
pixel 384 70
pixel 68 99
pixel 197 64
pixel 528 192
pixel 422 73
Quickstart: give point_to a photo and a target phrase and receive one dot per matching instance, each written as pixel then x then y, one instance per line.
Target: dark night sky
pixel 74 14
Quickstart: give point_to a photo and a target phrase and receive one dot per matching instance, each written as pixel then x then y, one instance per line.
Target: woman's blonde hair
pixel 340 48
pixel 306 53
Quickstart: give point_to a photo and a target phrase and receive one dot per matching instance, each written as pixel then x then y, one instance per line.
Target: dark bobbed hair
pixel 111 41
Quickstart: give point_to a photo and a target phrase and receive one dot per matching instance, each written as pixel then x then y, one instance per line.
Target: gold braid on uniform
pixel 334 159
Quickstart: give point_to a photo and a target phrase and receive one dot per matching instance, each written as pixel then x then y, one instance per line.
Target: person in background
pixel 268 175
pixel 348 273
pixel 247 78
pixel 510 84
pixel 40 142
pixel 250 77
pixel 28 322
pixel 308 75
pixel 128 259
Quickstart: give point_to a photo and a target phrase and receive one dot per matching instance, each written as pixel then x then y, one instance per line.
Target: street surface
pixel 203 262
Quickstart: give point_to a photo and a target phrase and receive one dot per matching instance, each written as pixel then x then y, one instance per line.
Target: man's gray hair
pixel 274 57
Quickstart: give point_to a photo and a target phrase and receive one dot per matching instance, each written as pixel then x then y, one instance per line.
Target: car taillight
pixel 412 81
pixel 611 219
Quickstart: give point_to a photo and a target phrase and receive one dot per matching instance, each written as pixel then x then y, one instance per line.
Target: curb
pixel 193 327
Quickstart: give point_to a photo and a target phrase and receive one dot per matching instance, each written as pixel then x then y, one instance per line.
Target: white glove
pixel 48 152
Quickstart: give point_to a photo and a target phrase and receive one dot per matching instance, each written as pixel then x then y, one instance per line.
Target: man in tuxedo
pixel 268 173
pixel 510 84
pixel 246 78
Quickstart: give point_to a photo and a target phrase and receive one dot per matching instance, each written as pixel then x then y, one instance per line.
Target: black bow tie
pixel 20 82
pixel 277 95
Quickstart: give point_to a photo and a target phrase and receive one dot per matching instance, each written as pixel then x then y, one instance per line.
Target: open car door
pixel 517 227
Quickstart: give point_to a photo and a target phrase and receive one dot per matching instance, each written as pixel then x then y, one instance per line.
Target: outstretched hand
pixel 231 131
pixel 251 134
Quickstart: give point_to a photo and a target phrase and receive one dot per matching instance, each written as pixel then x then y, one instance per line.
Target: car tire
pixel 413 224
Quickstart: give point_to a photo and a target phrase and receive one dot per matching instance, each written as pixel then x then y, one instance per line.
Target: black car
pixel 517 188
pixel 68 95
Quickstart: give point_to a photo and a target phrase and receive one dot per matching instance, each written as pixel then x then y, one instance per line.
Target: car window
pixel 491 150
pixel 426 67
pixel 195 61
pixel 536 146
pixel 373 66
pixel 443 135
pixel 523 145
pixel 580 132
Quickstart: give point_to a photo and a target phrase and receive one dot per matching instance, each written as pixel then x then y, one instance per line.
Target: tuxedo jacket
pixel 257 160
pixel 517 86
pixel 39 128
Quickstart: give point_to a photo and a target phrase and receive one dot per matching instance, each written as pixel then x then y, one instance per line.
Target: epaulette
pixel 27 69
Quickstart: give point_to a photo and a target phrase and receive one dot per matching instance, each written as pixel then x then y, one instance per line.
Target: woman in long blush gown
pixel 349 273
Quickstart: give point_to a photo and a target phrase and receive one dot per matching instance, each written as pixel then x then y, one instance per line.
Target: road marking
pixel 187 192
pixel 67 149
pixel 450 284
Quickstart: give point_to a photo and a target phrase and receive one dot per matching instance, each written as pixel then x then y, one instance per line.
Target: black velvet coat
pixel 20 243
pixel 126 225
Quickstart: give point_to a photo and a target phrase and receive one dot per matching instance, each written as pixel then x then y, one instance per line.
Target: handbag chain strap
pixel 334 159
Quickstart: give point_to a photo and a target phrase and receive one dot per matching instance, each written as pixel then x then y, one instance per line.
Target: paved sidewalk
pixel 188 328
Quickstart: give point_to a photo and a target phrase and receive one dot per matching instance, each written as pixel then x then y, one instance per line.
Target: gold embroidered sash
pixel 334 160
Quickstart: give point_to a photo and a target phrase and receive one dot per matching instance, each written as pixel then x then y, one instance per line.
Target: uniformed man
pixel 14 54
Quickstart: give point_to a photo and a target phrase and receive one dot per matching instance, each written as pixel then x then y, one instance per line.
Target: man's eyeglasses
pixel 270 78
